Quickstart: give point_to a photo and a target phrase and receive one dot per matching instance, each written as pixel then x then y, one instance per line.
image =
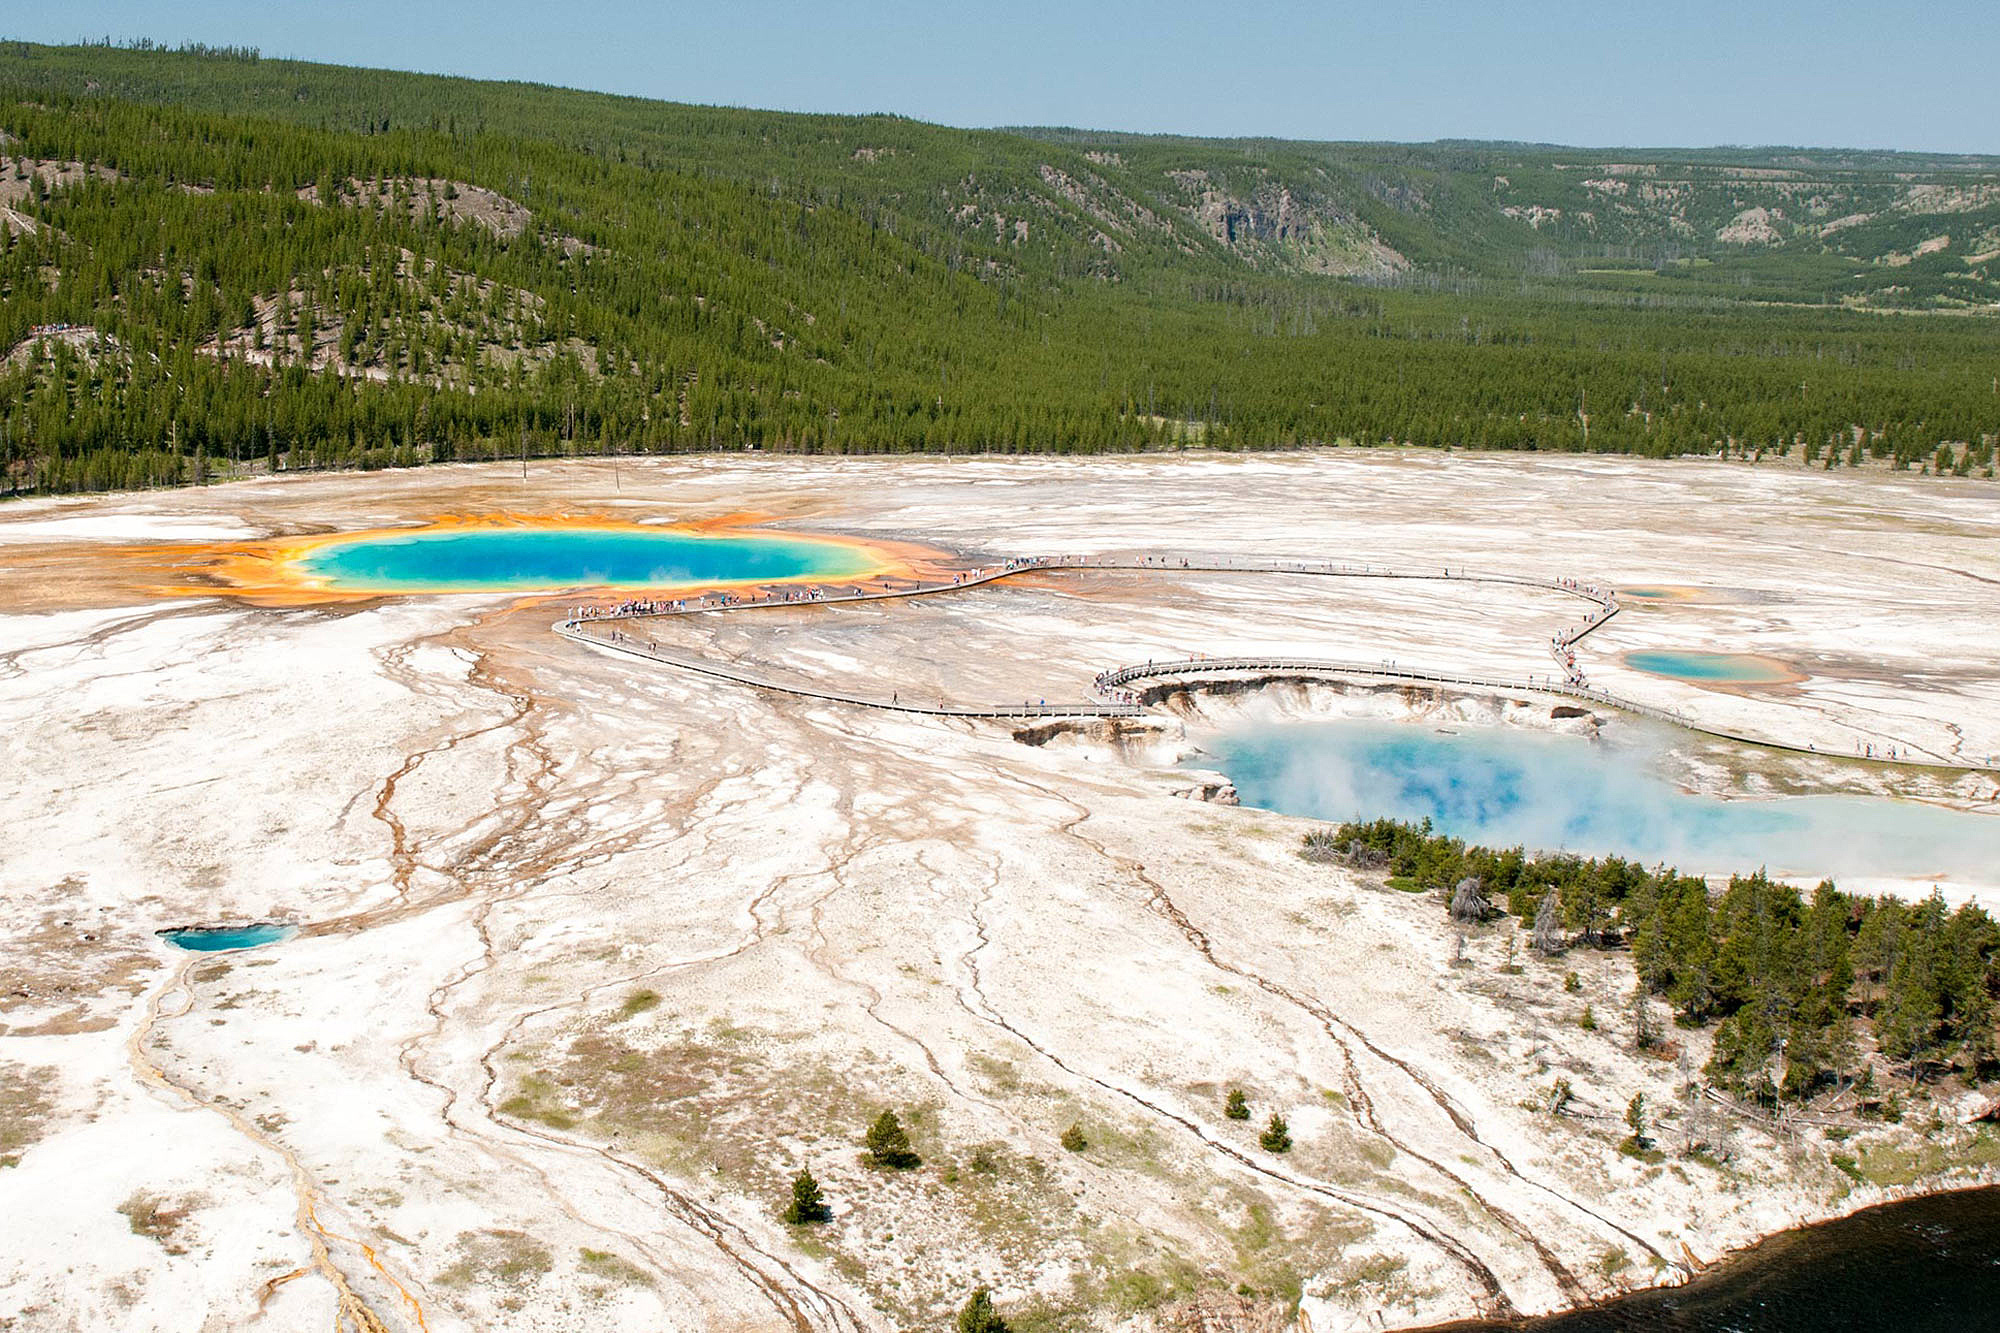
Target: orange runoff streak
pixel 269 572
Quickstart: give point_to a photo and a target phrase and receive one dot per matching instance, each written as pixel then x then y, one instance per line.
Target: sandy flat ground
pixel 594 957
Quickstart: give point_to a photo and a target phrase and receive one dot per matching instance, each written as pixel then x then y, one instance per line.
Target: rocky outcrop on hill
pixel 1283 227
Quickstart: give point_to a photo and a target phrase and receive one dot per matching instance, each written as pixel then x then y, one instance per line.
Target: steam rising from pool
pixel 1552 792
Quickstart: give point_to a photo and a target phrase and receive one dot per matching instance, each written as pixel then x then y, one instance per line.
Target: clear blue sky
pixel 1849 73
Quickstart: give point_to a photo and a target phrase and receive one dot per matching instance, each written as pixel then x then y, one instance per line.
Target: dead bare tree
pixel 1468 900
pixel 1645 1028
pixel 1549 938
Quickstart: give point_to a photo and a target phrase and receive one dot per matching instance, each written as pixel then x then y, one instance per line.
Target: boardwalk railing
pixel 574 627
pixel 1560 643
pixel 1026 709
pixel 1319 666
pixel 1309 666
pixel 1115 700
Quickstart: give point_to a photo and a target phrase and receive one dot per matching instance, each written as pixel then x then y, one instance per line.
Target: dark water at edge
pixel 1929 1265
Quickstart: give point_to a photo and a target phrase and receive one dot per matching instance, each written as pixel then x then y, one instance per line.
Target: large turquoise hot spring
pixel 551 559
pixel 1554 792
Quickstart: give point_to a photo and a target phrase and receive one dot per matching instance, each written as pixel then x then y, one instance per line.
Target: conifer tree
pixel 1635 1117
pixel 977 1315
pixel 889 1145
pixel 808 1204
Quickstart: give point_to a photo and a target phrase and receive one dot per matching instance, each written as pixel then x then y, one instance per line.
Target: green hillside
pixel 214 263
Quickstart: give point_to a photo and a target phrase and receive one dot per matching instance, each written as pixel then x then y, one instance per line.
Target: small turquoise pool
pixel 1712 668
pixel 216 939
pixel 555 558
pixel 1566 793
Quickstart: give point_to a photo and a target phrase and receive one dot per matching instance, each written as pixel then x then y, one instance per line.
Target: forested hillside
pixel 211 262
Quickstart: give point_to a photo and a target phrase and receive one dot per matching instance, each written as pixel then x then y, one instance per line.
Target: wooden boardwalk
pixel 599 629
pixel 652 652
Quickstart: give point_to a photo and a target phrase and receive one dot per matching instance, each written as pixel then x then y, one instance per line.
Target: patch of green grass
pixel 497 1258
pixel 1268 1258
pixel 638 1002
pixel 613 1268
pixel 1132 1290
pixel 149 1216
pixel 1378 1279
pixel 1042 1313
pixel 1137 1148
pixel 538 1101
pixel 1890 1164
pixel 1000 1076
pixel 25 1107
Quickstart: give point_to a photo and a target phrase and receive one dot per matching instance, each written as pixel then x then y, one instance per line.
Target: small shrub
pixel 638 1002
pixel 1236 1106
pixel 153 1219
pixel 1589 1020
pixel 1277 1135
pixel 1073 1139
pixel 1572 983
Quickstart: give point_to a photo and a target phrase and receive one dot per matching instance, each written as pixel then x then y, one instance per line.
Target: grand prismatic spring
pixel 573 556
pixel 527 554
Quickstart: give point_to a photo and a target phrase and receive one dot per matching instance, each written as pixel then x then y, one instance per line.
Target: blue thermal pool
pixel 1712 668
pixel 215 939
pixel 1554 792
pixel 553 558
